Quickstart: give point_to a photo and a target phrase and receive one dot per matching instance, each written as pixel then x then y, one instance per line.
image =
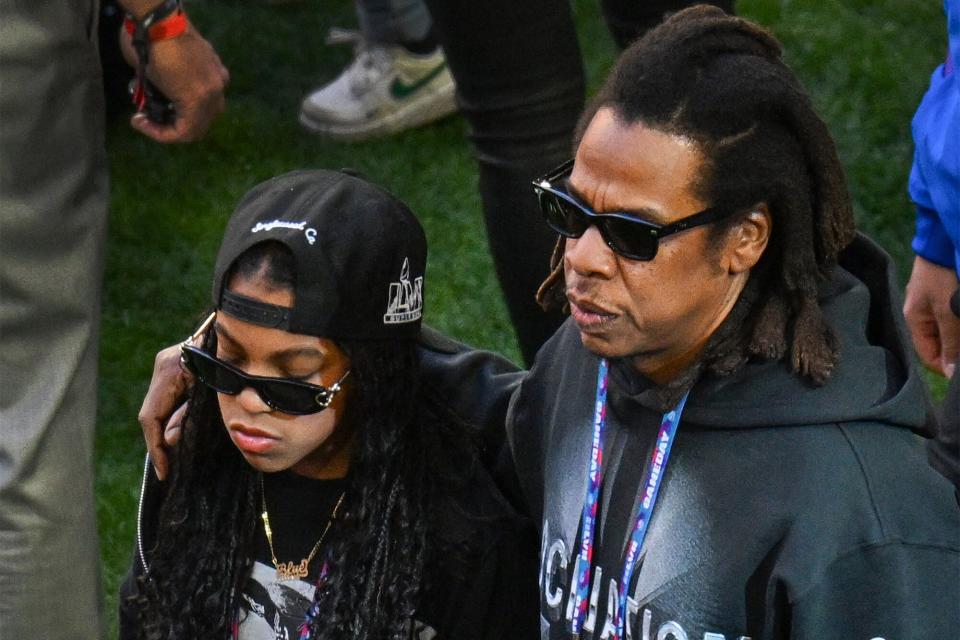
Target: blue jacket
pixel 935 176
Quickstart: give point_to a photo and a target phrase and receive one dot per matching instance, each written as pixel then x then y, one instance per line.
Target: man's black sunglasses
pixel 281 394
pixel 626 234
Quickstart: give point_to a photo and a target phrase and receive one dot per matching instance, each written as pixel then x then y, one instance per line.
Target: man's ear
pixel 747 240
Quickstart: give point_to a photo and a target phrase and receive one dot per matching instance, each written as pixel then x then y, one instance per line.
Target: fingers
pixel 923 330
pixel 190 123
pixel 926 341
pixel 171 434
pixel 162 402
pixel 152 436
pixel 934 329
pixel 949 329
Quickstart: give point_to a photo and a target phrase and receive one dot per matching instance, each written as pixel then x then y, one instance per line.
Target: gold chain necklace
pixel 289 570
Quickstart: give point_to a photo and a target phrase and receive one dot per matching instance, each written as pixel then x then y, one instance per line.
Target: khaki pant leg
pixel 53 212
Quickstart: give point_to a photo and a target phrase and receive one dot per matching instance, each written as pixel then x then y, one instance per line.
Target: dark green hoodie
pixel 786 510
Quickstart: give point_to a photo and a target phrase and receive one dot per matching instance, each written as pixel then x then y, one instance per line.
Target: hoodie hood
pixel 876 378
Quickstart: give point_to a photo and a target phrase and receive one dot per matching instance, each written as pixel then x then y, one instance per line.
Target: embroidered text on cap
pixel 310 233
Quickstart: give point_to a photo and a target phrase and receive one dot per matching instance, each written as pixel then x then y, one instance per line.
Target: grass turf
pixel 865 63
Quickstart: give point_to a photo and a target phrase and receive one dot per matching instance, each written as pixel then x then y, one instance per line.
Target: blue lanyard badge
pixel 651 487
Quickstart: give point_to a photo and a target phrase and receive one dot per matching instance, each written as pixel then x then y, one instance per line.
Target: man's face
pixel 659 312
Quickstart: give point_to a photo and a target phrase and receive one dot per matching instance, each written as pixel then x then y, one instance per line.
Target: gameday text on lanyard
pixel 651 484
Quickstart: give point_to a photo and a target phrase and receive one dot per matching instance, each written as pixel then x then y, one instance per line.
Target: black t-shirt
pixel 299 509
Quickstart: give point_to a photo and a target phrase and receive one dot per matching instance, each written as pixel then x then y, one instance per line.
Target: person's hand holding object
pixel 188 71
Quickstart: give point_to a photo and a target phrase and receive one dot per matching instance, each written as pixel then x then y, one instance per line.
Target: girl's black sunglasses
pixel 627 235
pixel 281 394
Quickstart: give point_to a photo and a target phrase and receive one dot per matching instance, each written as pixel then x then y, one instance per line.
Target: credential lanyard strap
pixel 651 487
pixel 582 594
pixel 658 464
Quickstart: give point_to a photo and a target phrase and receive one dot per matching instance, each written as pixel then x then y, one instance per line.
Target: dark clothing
pixel 299 509
pixel 479 573
pixel 520 85
pixel 786 510
pixel 630 19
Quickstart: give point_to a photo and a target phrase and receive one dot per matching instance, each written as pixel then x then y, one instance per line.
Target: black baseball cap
pixel 360 257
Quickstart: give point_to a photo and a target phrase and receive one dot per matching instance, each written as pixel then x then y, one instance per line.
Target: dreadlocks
pixel 404 466
pixel 720 81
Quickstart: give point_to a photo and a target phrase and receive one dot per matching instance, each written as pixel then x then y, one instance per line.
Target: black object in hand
pixel 151 101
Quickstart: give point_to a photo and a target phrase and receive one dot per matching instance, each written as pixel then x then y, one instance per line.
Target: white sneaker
pixel 384 90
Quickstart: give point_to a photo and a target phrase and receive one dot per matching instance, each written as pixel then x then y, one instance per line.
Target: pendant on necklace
pixel 290 571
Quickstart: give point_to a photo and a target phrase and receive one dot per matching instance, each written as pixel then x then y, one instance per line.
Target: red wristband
pixel 170 27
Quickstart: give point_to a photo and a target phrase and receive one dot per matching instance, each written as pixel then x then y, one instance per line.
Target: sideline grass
pixel 865 63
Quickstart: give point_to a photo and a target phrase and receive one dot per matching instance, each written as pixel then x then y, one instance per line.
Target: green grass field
pixel 866 64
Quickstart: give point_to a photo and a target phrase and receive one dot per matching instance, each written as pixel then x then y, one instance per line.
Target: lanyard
pixel 582 594
pixel 651 487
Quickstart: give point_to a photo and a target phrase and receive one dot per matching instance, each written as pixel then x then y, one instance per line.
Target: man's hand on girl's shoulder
pixel 164 406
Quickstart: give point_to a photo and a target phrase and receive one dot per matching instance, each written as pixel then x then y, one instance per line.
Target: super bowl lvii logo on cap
pixel 405 300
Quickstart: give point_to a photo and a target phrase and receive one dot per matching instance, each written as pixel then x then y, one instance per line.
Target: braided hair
pixel 719 81
pixel 405 466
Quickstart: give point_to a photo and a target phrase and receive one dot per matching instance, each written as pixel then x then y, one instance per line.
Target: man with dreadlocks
pixel 722 441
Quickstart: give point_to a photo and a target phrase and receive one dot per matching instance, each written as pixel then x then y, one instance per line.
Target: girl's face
pixel 316 445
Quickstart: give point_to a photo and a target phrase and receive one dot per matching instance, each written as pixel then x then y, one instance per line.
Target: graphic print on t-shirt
pixel 273 610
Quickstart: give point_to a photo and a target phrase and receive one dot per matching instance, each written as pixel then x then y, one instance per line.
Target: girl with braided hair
pixel 317 490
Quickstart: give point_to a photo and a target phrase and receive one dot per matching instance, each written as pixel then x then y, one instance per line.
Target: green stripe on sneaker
pixel 400 89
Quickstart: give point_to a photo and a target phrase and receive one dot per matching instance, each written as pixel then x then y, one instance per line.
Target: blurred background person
pixel 53 215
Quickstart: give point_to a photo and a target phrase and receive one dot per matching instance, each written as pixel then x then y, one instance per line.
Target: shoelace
pixel 338 36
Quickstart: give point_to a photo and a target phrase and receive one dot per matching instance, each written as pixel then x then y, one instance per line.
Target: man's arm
pixel 474 385
pixel 188 71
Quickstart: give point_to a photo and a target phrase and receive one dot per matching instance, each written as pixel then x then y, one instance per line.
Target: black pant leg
pixel 520 83
pixel 630 19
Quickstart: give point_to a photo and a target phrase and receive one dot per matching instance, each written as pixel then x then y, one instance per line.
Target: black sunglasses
pixel 281 394
pixel 626 234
